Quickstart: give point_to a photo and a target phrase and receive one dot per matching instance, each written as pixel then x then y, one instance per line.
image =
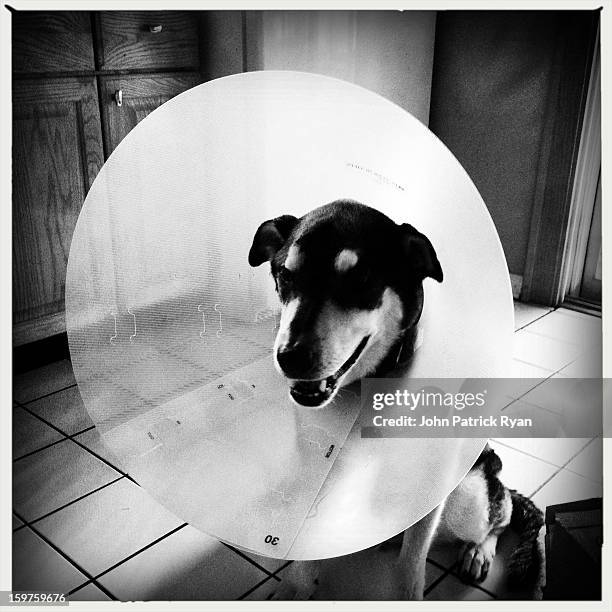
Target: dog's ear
pixel 419 254
pixel 269 238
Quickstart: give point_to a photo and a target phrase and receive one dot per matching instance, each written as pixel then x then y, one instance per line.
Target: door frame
pixel 586 184
pixel 555 217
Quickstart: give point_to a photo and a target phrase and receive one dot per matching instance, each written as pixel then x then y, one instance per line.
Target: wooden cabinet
pixel 58 41
pixel 127 100
pixel 67 67
pixel 148 40
pixel 57 152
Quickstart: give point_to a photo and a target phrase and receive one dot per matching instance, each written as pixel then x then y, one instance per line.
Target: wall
pixel 389 52
pixel 482 80
pixel 491 77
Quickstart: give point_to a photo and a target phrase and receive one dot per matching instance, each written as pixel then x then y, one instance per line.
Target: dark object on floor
pixel 574 538
pixel 525 567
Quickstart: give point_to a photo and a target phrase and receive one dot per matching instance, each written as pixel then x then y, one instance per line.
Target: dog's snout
pixel 295 360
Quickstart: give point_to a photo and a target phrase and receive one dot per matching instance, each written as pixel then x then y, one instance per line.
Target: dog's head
pixel 350 283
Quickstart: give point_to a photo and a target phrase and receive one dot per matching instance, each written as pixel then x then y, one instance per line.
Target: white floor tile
pixel 30 433
pixel 544 352
pixel 39 568
pixel 93 441
pixel 587 365
pixel 577 401
pixel 524 314
pixel 585 332
pixel 187 565
pixel 191 565
pixel 107 526
pixel 521 471
pixel 64 409
pixel 444 553
pixel 452 589
pixel 564 487
pixel 557 451
pixel 89 592
pixel 265 590
pixel 35 383
pixel 589 462
pixel 268 563
pixel 55 476
pixel 521 369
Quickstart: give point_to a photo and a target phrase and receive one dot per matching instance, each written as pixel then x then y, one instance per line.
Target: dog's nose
pixel 295 360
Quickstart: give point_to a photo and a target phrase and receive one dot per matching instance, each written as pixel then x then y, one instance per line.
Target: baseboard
pixel 583 306
pixel 40 353
pixel 43 327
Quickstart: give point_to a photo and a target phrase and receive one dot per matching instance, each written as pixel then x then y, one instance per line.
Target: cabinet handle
pixel 118 96
pixel 155 29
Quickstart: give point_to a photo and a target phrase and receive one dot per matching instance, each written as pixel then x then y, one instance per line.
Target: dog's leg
pixel 476 559
pixel 299 581
pixel 413 554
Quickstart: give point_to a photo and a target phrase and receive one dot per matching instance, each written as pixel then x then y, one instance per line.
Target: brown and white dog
pixel 350 282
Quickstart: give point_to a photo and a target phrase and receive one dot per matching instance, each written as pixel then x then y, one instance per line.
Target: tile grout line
pixel 280 569
pixel 552 310
pixel 438 564
pixel 437 581
pixel 93 580
pixel 247 558
pixel 66 437
pixel 35 399
pixel 273 575
pixel 140 550
pixel 74 501
pixel 66 557
pixel 42 448
pixel 542 381
pixel 255 587
pixel 518 450
pixel 561 469
pixel 78 443
pixel 446 572
pixel 452 572
pixel 534 320
pixel 591 441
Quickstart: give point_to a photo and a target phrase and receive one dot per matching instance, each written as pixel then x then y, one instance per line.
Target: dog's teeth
pixel 323 385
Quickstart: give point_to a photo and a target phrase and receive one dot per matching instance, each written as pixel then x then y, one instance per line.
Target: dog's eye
pixel 360 277
pixel 285 276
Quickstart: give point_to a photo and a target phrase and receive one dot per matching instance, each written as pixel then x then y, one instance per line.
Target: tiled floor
pixel 83 527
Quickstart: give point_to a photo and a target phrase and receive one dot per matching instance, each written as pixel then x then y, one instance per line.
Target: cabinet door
pixel 57 152
pixel 128 100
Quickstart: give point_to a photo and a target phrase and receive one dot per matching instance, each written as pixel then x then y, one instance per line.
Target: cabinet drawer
pixel 148 39
pixel 140 95
pixel 52 41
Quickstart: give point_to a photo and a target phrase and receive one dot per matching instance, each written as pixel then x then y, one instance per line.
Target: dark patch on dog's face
pixel 340 271
pixel 318 278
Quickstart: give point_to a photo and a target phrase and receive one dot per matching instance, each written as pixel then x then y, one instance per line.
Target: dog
pixel 350 283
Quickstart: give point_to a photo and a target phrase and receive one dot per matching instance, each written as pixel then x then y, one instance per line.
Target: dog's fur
pixel 350 282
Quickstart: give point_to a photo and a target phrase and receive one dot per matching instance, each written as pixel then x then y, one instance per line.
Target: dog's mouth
pixel 314 393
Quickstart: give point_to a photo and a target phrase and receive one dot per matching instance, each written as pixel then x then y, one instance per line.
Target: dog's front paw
pixel 475 561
